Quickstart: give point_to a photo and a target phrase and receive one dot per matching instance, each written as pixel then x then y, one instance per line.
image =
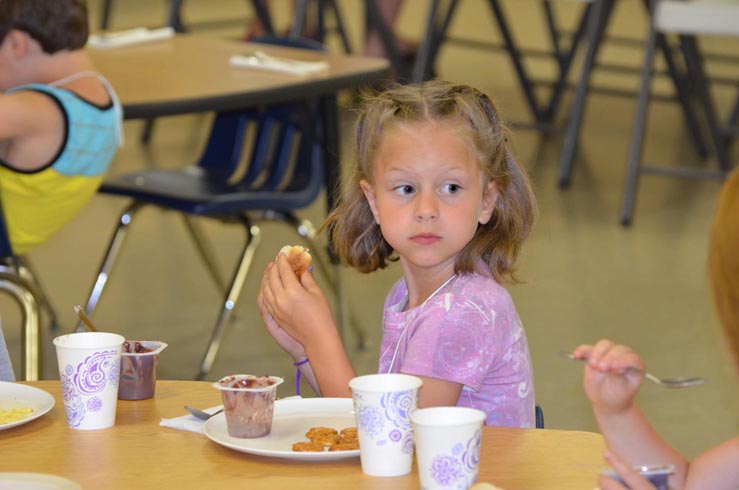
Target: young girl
pixel 611 385
pixel 436 188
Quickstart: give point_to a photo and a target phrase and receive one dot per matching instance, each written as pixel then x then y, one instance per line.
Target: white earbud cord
pixel 402 334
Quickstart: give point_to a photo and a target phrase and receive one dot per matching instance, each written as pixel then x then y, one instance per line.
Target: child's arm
pixel 301 309
pixel 33 118
pixel 288 344
pixel 23 113
pixel 438 393
pixel 611 386
pixel 717 468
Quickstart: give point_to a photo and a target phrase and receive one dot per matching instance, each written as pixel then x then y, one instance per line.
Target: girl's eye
pixel 451 188
pixel 404 190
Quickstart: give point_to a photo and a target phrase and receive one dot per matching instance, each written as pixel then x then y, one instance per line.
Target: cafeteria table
pixel 191 73
pixel 138 453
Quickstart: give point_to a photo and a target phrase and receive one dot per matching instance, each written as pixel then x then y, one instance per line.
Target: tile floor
pixel 586 276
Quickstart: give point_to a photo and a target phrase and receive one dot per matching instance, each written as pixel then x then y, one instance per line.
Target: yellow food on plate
pixel 14 414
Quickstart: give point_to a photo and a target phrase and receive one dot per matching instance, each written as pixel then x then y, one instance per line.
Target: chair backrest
pixel 264 149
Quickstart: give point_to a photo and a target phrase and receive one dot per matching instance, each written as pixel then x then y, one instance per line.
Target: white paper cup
pixel 382 406
pixel 89 369
pixel 447 446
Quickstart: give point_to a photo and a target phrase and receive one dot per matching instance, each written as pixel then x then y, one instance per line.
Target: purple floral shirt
pixel 468 332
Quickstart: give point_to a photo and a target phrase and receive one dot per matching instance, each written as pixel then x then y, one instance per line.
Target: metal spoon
pixel 666 382
pixel 200 414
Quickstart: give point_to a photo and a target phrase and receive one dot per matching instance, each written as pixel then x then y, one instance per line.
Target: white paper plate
pixel 15 395
pixel 35 481
pixel 291 421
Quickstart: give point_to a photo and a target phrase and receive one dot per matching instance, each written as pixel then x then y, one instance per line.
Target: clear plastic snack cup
pixel 248 402
pixel 657 474
pixel 139 361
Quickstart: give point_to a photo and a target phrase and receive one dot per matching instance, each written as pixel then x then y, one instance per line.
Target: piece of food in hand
pixel 298 257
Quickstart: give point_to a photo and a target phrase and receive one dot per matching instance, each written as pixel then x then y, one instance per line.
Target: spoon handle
pixel 81 313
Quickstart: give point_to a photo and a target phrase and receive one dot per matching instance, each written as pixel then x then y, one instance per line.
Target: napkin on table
pixel 262 61
pixel 131 36
pixel 188 422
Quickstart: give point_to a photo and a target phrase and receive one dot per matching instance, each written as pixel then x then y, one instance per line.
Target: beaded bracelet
pixel 298 374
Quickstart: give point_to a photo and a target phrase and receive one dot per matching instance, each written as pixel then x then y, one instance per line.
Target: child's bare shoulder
pixel 27 111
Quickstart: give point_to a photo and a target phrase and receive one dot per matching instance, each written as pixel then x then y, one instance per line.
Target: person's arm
pixel 32 118
pixel 293 348
pixel 717 468
pixel 611 385
pixel 438 393
pixel 301 309
pixel 24 113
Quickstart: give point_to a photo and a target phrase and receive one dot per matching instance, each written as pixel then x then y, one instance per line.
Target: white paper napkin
pixel 262 61
pixel 188 422
pixel 138 35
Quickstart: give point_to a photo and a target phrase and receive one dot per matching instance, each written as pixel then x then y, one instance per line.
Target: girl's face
pixel 428 194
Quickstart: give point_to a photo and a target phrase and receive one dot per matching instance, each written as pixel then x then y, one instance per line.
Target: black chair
pixel 19 280
pixel 284 173
pixel 539 416
pixel 687 20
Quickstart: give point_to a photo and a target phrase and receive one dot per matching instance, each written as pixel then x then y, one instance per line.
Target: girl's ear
pixel 489 198
pixel 369 193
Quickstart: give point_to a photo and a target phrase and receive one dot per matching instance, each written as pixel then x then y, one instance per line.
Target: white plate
pixel 291 421
pixel 35 481
pixel 15 395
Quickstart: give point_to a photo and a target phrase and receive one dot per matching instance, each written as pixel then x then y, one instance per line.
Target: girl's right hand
pixel 294 348
pixel 297 305
pixel 612 375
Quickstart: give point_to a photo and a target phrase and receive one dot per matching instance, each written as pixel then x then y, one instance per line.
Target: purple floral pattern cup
pixel 89 367
pixel 448 443
pixel 383 404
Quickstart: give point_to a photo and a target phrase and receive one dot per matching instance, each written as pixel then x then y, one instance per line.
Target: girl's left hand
pixel 299 307
pixel 628 474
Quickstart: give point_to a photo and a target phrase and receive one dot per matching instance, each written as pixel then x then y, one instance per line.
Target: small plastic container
pixel 248 402
pixel 139 361
pixel 657 474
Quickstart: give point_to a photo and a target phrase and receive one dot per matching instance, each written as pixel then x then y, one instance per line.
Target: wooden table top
pixel 191 73
pixel 138 453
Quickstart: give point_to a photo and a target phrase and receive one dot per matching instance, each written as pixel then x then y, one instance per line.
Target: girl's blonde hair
pixel 356 237
pixel 723 261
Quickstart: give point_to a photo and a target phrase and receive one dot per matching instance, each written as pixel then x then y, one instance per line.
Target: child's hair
pixel 55 24
pixel 356 237
pixel 723 261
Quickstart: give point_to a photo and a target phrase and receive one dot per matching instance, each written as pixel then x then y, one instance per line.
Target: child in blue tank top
pixel 60 122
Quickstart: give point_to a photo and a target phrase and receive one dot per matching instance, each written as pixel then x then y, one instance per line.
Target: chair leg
pixel 30 357
pixel 253 237
pixel 206 251
pixel 111 255
pixel 29 274
pixel 599 14
pixel 638 129
pixel 694 65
